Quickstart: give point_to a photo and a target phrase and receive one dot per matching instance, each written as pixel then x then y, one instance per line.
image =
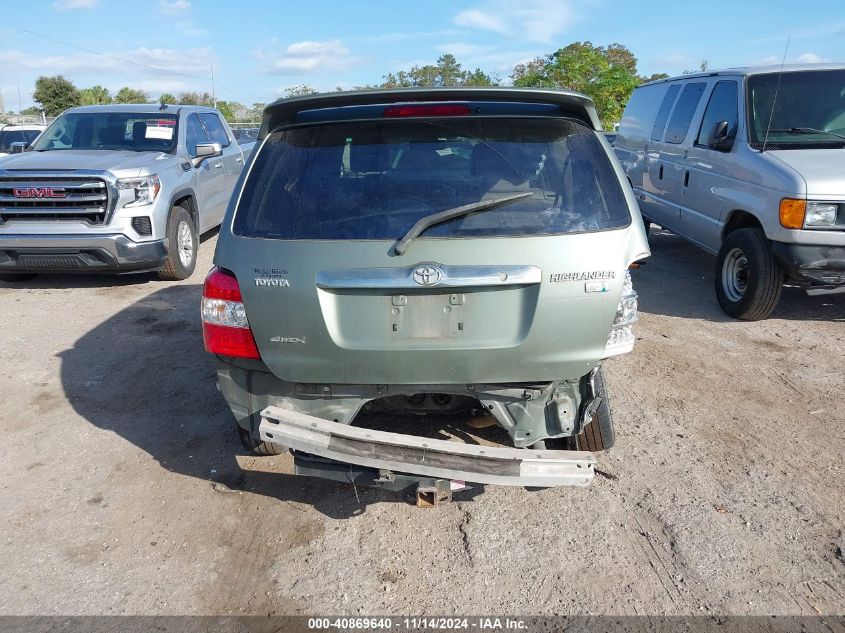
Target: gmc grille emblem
pixel 39 192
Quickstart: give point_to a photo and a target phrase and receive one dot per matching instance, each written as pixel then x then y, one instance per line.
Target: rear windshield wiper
pixel 442 216
pixel 807 130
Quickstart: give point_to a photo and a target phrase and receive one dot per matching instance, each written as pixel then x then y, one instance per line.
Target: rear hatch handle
pixel 429 275
pixel 449 214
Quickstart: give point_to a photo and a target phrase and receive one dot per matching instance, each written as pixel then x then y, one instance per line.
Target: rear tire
pixel 598 434
pixel 749 280
pixel 182 246
pixel 13 277
pixel 265 449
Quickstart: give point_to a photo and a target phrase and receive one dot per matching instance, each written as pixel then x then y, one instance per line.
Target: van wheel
pixel 749 280
pixel 598 434
pixel 13 277
pixel 256 446
pixel 183 242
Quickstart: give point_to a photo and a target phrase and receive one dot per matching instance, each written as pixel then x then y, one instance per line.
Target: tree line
pixel 607 74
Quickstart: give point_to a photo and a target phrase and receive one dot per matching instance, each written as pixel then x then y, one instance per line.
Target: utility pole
pixel 213 97
pixel 20 107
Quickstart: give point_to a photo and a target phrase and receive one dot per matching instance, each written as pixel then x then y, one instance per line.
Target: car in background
pixel 117 188
pixel 748 164
pixel 20 135
pixel 433 251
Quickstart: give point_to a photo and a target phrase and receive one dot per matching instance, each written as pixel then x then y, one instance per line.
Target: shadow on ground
pixel 677 280
pixel 144 375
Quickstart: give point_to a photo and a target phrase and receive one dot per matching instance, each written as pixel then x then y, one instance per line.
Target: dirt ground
pixel 124 489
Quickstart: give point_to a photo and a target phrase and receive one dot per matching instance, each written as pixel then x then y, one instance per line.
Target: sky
pixel 259 48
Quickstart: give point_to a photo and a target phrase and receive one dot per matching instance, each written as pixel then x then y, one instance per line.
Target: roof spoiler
pixel 283 111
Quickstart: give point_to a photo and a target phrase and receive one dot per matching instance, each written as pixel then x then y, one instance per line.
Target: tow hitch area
pixel 393 453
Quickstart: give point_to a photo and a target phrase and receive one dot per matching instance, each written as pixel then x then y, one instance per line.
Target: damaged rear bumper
pixel 423 456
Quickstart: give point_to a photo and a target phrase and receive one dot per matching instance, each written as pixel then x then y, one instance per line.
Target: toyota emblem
pixel 427 275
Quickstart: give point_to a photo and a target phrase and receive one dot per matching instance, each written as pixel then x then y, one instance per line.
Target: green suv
pixel 438 251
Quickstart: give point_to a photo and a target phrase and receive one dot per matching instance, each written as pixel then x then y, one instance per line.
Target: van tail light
pixel 225 329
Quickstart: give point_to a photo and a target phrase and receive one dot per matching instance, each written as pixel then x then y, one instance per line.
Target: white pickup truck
pixel 117 188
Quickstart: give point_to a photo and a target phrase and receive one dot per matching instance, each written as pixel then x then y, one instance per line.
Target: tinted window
pixel 721 107
pixel 110 131
pixel 215 128
pixel 809 109
pixel 663 112
pixel 194 134
pixel 683 112
pixel 375 179
pixel 7 137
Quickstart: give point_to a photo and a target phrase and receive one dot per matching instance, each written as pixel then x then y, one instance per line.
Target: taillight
pixel 437 109
pixel 225 329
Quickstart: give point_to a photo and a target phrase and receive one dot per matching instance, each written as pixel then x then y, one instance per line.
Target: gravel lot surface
pixel 124 489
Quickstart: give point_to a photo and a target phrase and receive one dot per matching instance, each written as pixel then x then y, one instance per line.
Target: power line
pixel 106 55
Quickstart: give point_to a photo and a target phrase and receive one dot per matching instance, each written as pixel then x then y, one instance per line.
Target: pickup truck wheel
pixel 749 280
pixel 256 446
pixel 598 434
pixel 13 277
pixel 182 247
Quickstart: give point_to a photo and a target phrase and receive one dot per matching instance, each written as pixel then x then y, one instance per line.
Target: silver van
pixel 749 164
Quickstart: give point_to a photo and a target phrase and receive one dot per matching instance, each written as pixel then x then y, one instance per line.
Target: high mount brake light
pixel 442 109
pixel 225 328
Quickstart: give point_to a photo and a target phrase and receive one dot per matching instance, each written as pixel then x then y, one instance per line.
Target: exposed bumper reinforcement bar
pixel 423 456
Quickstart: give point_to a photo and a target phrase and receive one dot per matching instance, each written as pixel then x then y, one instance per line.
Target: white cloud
pixel 810 58
pixel 69 5
pixel 475 19
pixel 173 7
pixel 463 49
pixel 189 61
pixel 309 57
pixel 532 20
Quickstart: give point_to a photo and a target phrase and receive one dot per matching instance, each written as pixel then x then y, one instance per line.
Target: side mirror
pixel 18 146
pixel 719 138
pixel 206 150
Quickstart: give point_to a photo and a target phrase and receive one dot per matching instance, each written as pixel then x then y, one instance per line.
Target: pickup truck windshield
pixel 140 132
pixel 797 121
pixel 377 179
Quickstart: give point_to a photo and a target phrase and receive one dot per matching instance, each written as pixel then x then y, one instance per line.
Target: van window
pixel 375 179
pixel 808 113
pixel 722 106
pixel 663 112
pixel 684 110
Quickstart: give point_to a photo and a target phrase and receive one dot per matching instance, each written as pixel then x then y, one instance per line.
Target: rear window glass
pixel 376 179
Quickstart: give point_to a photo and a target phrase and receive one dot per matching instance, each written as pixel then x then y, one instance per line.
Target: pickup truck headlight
pixel 821 214
pixel 621 337
pixel 145 189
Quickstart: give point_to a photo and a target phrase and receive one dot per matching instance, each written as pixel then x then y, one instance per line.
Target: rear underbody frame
pixel 440 459
pixel 529 412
